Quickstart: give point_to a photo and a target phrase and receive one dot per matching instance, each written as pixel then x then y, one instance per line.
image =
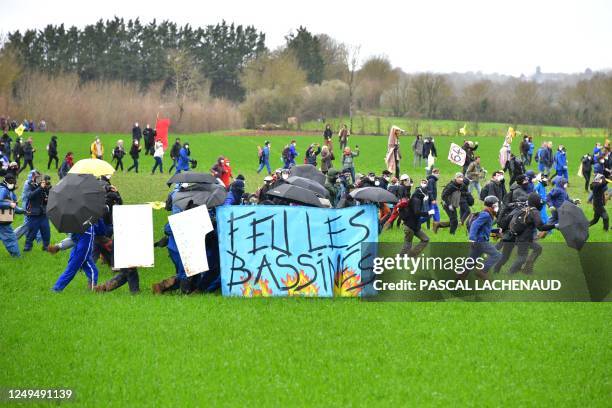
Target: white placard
pixel 189 229
pixel 133 236
pixel 456 154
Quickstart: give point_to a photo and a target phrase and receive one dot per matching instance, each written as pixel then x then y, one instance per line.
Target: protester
pixel 118 154
pixel 469 147
pixel 524 148
pixel 432 189
pixel 518 191
pixel 158 155
pixel 348 157
pixel 327 137
pixel 515 167
pixel 97 149
pixel 561 163
pixel 66 165
pixel 451 196
pixel 136 133
pixel 28 155
pixel 411 215
pixel 236 191
pixel 18 151
pixel 5 142
pixel 219 169
pixel 394 155
pixel 174 153
pixel 9 207
pixel 556 197
pixel 327 157
pixel 429 148
pixel 37 212
pixel 343 136
pixel 148 135
pixel 474 173
pixel 264 157
pixel 52 152
pixel 135 155
pixel 81 258
pixel 495 187
pixel 586 167
pixel 290 155
pixel 479 235
pixel 310 157
pixel 417 151
pixel 184 159
pixel 599 187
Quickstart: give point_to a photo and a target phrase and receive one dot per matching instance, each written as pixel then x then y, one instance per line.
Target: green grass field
pixel 376 125
pixel 116 349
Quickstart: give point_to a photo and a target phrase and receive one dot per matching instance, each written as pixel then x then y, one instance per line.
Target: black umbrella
pixel 308 184
pixel 295 193
pixel 373 194
pixel 211 197
pixel 191 177
pixel 308 171
pixel 78 199
pixel 573 224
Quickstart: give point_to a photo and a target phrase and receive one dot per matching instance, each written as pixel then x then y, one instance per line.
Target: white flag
pixel 133 236
pixel 189 229
pixel 456 154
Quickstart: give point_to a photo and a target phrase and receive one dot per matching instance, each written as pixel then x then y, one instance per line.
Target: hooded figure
pixel 411 215
pixel 393 156
pixel 235 193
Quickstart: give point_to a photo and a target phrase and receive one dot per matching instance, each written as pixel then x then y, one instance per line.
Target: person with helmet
pixel 480 232
pixel 8 208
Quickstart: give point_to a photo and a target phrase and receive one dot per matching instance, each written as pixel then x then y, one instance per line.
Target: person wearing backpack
pixel 523 226
pixel 599 187
pixel 411 217
pixel 264 158
pixel 480 233
pixel 515 167
pixel 518 191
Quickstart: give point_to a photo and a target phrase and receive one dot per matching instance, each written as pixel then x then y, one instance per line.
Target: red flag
pixel 161 127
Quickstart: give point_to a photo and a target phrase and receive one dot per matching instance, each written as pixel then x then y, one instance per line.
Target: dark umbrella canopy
pixel 296 194
pixel 211 197
pixel 573 224
pixel 308 171
pixel 191 177
pixel 78 199
pixel 373 194
pixel 308 184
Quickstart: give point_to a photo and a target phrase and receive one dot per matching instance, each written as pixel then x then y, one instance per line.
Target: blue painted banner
pixel 294 251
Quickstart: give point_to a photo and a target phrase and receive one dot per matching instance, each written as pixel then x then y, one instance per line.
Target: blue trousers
pixel 178 265
pixel 265 163
pixel 480 248
pixel 9 239
pixel 158 163
pixel 563 173
pixel 36 224
pixel 80 258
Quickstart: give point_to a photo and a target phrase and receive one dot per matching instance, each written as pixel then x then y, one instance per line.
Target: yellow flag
pixel 157 205
pixel 463 130
pixel 19 130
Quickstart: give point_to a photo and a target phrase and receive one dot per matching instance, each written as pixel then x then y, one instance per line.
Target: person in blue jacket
pixel 183 161
pixel 540 187
pixel 556 197
pixel 561 163
pixel 234 196
pixel 292 153
pixel 81 258
pixel 8 203
pixel 264 159
pixel 480 232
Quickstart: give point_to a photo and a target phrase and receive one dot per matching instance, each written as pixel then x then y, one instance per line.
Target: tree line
pixel 310 76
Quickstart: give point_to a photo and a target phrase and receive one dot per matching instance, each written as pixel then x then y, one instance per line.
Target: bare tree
pixel 186 79
pixel 352 56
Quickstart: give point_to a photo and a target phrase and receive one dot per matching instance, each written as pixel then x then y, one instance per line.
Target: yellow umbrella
pixel 96 167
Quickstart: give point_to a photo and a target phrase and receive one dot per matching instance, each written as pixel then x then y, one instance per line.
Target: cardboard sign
pixel 456 154
pixel 189 229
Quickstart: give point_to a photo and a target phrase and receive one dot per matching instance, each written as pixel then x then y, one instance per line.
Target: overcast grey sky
pixel 510 37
